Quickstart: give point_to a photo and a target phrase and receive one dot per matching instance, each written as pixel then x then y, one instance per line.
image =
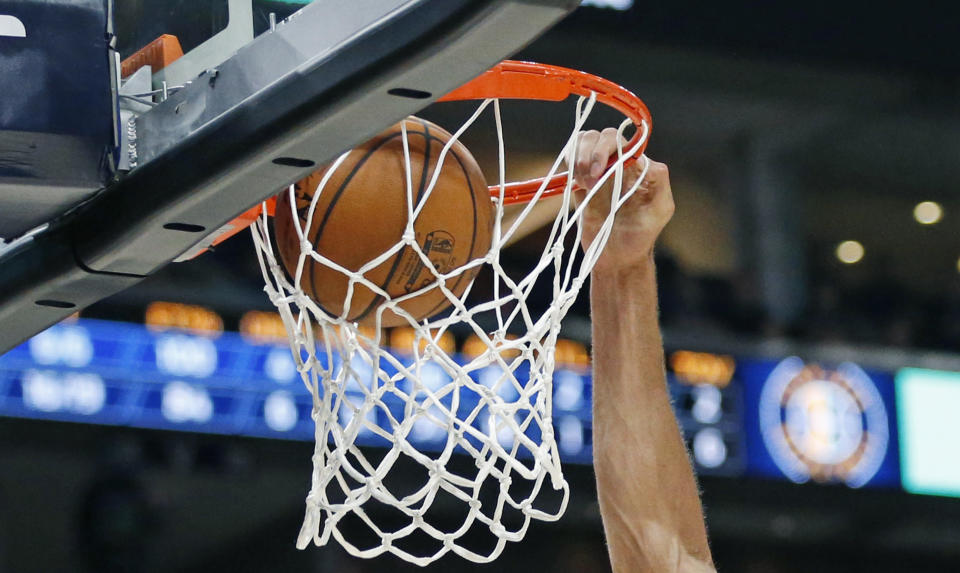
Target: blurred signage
pixel 258 327
pixel 173 375
pixel 824 424
pixel 702 367
pixel 404 338
pixel 709 409
pixel 783 419
pixel 929 431
pixel 806 421
pixel 199 319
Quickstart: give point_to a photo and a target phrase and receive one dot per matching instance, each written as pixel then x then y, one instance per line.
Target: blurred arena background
pixel 815 156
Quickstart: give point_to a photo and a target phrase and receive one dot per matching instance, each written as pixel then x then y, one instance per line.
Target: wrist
pixel 624 290
pixel 622 274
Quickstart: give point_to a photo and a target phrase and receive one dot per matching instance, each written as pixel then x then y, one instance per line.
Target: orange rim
pixel 521 80
pixel 528 80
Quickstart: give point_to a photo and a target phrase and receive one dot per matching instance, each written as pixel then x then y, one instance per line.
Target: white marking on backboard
pixel 12 26
pixel 615 4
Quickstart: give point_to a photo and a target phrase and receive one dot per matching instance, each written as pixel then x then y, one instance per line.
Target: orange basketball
pixel 362 212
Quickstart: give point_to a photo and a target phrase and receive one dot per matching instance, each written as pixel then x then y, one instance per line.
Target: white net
pixel 482 424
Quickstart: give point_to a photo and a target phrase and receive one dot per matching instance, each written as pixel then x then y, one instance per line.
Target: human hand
pixel 640 220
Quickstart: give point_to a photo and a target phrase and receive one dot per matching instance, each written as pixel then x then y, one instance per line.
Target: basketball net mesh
pixel 495 407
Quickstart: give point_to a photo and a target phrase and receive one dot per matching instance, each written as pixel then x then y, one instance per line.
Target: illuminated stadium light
pixel 850 252
pixel 928 212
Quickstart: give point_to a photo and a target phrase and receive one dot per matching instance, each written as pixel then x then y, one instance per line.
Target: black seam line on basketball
pixel 473 239
pixel 336 197
pixel 424 173
pixel 378 299
pixel 283 267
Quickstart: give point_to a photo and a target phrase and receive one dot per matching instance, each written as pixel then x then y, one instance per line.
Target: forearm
pixel 647 491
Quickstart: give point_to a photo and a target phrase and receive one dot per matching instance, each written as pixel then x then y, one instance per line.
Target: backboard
pixel 141 180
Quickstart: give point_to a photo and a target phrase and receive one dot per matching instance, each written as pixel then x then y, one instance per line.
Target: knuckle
pixel 669 206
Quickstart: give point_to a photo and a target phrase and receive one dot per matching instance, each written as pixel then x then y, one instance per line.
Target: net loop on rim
pixel 404 435
pixel 530 80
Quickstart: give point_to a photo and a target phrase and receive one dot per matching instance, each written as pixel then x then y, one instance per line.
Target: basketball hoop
pixel 530 80
pixel 494 408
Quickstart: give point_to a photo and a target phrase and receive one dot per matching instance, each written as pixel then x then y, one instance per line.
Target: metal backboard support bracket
pixel 238 33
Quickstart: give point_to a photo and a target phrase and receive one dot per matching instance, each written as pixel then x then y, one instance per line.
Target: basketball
pixel 362 212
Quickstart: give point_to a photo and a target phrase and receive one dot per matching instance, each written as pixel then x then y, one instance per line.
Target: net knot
pixel 547 429
pixel 498 529
pixel 488 394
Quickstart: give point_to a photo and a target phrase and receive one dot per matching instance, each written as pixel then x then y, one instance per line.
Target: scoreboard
pixel 124 374
pixel 783 417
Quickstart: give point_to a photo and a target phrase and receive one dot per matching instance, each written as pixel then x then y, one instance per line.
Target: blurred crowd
pixel 865 306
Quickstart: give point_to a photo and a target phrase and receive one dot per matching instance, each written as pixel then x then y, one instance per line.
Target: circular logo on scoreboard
pixel 821 424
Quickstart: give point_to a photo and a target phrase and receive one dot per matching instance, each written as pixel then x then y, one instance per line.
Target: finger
pixel 658 176
pixel 650 171
pixel 605 148
pixel 660 192
pixel 585 144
